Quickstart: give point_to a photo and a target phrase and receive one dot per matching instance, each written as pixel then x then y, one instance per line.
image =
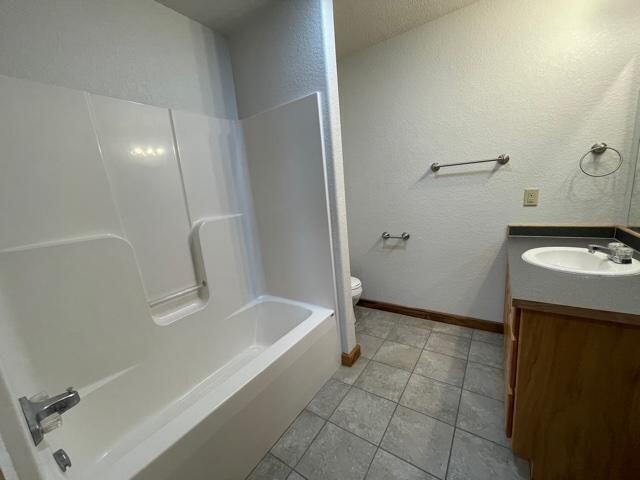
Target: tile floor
pixel 423 402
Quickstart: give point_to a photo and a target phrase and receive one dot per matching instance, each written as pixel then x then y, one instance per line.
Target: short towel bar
pixel 402 236
pixel 502 159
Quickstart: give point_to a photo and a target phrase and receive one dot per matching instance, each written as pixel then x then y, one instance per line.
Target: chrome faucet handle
pixel 620 253
pixel 616 252
pixel 42 413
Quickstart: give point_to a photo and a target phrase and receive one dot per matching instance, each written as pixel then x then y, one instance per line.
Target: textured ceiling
pixel 220 15
pixel 358 23
pixel 361 23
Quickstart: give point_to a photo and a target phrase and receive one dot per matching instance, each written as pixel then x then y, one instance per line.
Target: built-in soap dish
pixel 179 304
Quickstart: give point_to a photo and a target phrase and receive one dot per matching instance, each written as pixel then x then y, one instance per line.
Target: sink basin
pixel 579 261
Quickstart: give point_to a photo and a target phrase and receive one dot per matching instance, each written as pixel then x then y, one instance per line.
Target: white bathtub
pixel 221 429
pixel 209 406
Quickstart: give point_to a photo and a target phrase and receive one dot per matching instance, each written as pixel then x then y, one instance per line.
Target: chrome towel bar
pixel 402 236
pixel 502 159
pixel 179 294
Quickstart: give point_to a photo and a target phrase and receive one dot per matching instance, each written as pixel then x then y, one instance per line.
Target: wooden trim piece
pixel 435 316
pixel 629 230
pixel 585 313
pixel 348 359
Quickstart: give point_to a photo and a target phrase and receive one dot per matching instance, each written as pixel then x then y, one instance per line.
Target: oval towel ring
pixel 600 148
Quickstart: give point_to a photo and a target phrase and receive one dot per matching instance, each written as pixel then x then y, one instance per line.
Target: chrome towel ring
pixel 599 149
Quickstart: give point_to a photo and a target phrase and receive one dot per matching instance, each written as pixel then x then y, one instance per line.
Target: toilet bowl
pixel 356 290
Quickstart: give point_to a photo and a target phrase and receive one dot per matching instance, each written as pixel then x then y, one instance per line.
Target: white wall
pixel 282 53
pixel 134 50
pixel 286 165
pixel 540 80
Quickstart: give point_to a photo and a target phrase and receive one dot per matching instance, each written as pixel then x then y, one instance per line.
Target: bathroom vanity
pixel 572 364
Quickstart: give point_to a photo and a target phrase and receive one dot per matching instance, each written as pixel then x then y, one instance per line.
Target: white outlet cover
pixel 531 196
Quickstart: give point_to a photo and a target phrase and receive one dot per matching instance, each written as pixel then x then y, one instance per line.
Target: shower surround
pixel 175 268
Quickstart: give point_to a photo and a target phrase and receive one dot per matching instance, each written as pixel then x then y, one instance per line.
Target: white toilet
pixel 356 290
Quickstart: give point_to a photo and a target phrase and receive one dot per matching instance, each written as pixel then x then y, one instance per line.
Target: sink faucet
pixel 35 411
pixel 616 252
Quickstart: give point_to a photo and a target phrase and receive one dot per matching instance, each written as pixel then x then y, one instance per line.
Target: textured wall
pixel 633 218
pixel 283 53
pixel 539 79
pixel 134 50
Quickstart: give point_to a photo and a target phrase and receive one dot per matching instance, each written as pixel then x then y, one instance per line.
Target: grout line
pixel 265 456
pixel 294 421
pixel 409 463
pixel 485 365
pixel 351 433
pixel 375 394
pixel 456 422
pixel 325 421
pixel 393 366
pixel 483 395
pixel 483 438
pixel 310 443
pixel 441 381
pixel 372 459
pixel 284 433
pixel 425 349
pixel 466 359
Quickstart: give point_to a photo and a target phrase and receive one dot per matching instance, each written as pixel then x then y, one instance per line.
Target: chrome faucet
pixel 36 411
pixel 616 252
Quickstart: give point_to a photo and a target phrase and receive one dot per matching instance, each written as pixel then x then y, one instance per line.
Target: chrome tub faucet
pixel 42 412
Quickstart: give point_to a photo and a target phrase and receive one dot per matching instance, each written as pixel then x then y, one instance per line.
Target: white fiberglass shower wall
pixel 135 266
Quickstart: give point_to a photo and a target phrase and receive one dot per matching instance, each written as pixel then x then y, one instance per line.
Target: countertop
pixel 529 283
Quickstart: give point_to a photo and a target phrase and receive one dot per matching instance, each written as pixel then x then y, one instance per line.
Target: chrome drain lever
pixel 62 459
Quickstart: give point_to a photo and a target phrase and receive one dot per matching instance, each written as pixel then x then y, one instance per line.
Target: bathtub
pixel 199 398
pixel 225 425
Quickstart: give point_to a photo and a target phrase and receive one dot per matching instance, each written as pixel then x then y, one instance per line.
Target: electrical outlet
pixel 531 197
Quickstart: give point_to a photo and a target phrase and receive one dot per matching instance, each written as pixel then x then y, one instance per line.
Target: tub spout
pixel 36 411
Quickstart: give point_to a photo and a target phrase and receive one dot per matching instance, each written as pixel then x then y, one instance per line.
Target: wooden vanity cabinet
pixel 572 390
